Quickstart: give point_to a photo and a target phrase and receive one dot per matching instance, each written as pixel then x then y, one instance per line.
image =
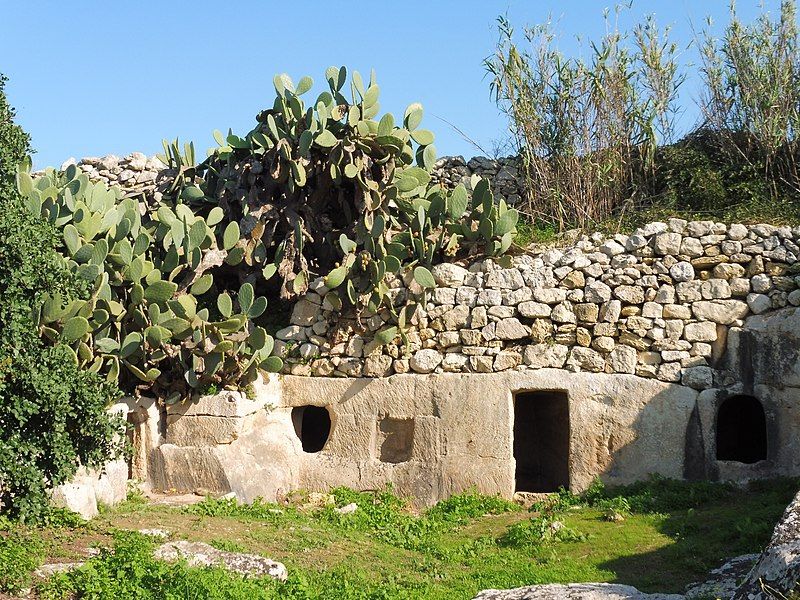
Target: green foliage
pixel 130 571
pixel 654 551
pixel 14 144
pixel 154 317
pixel 229 507
pixel 699 174
pixel 660 495
pixel 52 414
pixel 382 514
pixel 586 127
pixel 332 189
pixel 19 556
pixel 538 531
pixel 387 517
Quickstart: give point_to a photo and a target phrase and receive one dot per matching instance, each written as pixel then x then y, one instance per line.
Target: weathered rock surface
pixel 722 581
pixel 574 591
pixel 199 554
pixel 777 570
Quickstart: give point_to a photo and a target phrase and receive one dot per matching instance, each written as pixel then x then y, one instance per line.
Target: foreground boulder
pixel 574 591
pixel 199 554
pixel 723 581
pixel 777 571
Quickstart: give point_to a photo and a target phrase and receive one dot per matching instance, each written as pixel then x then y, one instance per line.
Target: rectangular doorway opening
pixel 541 440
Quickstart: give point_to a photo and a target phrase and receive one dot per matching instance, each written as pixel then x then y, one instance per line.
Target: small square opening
pixel 396 438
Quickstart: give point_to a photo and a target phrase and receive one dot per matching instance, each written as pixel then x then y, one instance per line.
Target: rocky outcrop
pixel 199 554
pixel 574 591
pixel 777 571
pixel 722 581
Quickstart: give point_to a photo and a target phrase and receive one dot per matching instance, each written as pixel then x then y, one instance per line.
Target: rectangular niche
pixel 541 440
pixel 395 439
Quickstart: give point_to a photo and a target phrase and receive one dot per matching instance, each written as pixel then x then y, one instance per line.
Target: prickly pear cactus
pixel 330 188
pixel 157 318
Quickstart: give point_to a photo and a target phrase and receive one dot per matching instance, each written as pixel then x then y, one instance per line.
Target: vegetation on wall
pixel 174 304
pixel 331 189
pixel 156 317
pixel 597 136
pixel 52 414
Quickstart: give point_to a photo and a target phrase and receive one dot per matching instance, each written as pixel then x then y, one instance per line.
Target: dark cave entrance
pixel 741 430
pixel 541 440
pixel 312 424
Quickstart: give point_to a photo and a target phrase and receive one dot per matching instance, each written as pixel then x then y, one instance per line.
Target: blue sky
pixel 90 78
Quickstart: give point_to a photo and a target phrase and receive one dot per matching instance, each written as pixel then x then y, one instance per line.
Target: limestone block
pixel 203 430
pixel 449 274
pixel 425 361
pixel 574 591
pixel 720 311
pixel 511 329
pixel 200 554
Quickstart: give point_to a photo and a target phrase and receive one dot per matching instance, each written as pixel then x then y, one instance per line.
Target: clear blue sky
pixel 92 78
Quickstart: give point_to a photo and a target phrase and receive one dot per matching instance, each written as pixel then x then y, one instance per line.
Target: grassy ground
pixel 657 536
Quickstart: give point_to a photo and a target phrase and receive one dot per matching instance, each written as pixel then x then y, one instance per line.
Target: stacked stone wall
pixel 657 303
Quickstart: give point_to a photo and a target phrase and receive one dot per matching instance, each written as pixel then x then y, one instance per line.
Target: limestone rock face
pixel 778 567
pixel 574 591
pixel 88 487
pixel 199 554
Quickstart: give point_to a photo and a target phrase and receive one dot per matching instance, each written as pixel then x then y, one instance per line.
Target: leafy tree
pixel 53 416
pixel 14 143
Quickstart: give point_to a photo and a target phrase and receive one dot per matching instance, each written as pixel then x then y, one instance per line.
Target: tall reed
pixel 751 92
pixel 586 130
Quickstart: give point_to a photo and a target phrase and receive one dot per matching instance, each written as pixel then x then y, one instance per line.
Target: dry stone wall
pixel 136 174
pixel 504 174
pixel 657 303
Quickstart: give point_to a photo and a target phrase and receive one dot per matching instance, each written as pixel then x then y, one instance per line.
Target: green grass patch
pixel 657 535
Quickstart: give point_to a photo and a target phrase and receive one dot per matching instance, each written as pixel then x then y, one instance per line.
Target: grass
pixel 658 536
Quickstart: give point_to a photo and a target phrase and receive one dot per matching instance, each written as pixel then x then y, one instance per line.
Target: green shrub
pixel 53 415
pixel 702 176
pixel 19 556
pixel 14 143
